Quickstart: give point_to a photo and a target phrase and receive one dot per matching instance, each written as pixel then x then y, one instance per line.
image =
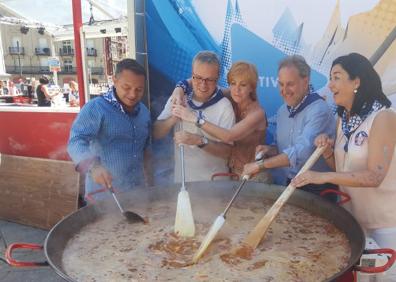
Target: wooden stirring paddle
pixel 257 234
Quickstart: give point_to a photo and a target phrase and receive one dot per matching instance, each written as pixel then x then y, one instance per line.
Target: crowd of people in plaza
pixel 42 92
pixel 23 87
pixel 223 130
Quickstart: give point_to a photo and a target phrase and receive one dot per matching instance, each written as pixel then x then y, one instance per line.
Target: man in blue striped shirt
pixel 110 137
pixel 302 117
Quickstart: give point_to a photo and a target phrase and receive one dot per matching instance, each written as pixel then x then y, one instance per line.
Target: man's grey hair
pixel 298 62
pixel 207 57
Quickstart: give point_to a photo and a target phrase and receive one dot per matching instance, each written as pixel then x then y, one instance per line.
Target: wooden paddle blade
pixel 216 226
pixel 184 221
pixel 257 234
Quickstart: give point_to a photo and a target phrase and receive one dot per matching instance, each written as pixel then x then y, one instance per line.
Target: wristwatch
pixel 204 142
pixel 200 120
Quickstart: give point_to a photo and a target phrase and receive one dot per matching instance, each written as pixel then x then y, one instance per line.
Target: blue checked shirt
pixel 117 138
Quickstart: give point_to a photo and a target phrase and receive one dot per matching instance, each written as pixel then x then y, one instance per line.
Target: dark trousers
pixel 318 188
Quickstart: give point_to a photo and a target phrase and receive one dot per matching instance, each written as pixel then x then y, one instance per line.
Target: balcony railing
pixel 45 70
pixel 42 51
pixel 91 52
pixel 27 69
pixel 66 51
pixel 97 70
pixel 16 50
pixel 68 69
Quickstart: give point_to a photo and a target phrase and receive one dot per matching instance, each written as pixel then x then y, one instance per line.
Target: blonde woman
pixel 73 94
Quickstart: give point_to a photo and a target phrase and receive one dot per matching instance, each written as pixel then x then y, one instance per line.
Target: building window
pixel 16 42
pixel 67 45
pixel 44 64
pixel 90 44
pixel 66 49
pixel 91 63
pixel 68 65
pixel 43 43
pixel 16 46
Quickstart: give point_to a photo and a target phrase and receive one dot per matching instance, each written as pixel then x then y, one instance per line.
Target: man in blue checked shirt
pixel 304 116
pixel 110 137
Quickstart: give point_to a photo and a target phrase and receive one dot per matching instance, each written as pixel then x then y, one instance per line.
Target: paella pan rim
pixel 65 229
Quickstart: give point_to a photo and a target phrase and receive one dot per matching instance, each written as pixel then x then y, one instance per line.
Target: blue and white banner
pixel 263 32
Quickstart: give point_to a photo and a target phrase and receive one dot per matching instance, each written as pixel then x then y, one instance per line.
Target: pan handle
pixel 11 261
pixel 345 196
pixel 378 269
pixel 90 197
pixel 233 176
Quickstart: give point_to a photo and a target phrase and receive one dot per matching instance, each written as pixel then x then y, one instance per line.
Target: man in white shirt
pixel 204 155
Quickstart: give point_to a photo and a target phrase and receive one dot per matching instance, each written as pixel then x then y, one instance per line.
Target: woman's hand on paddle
pixel 309 177
pixel 323 140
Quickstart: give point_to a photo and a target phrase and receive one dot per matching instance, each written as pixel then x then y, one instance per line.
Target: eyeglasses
pixel 200 79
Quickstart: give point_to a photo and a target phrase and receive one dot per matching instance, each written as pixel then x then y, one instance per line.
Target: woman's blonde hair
pixel 247 72
pixel 73 84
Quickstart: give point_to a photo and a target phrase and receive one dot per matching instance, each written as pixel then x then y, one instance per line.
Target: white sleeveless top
pixel 372 207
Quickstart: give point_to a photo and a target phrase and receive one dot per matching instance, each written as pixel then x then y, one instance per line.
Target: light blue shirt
pixel 295 136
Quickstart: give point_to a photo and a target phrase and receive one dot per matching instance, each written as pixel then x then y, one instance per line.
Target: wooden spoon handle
pixel 257 234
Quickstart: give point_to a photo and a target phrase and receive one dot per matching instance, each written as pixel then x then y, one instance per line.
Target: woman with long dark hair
pixel 363 154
